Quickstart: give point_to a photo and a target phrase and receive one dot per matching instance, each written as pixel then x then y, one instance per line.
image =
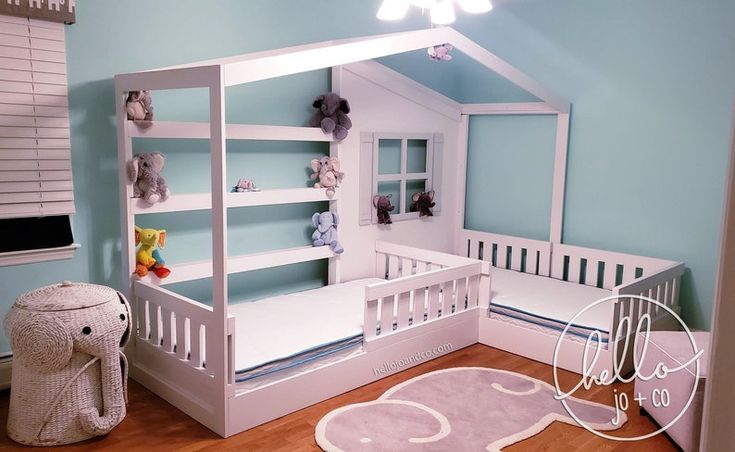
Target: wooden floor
pixel 153 424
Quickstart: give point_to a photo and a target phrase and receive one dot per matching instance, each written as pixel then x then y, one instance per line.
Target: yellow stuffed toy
pixel 148 258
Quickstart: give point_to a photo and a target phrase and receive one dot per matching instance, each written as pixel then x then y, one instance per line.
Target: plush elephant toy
pixel 144 171
pixel 69 372
pixel 422 203
pixel 331 115
pixel 384 206
pixel 440 52
pixel 326 231
pixel 139 106
pixel 148 258
pixel 485 410
pixel 326 174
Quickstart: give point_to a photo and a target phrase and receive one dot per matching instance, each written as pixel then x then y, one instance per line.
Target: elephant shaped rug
pixel 457 409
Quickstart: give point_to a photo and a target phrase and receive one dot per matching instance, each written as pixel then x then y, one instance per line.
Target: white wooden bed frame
pixel 658 279
pixel 184 350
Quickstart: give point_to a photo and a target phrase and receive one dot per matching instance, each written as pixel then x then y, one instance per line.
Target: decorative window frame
pixel 370 177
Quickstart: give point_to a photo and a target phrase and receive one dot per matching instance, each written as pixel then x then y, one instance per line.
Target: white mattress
pixel 548 301
pixel 285 326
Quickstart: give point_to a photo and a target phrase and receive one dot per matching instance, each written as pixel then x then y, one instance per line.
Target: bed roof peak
pixel 251 67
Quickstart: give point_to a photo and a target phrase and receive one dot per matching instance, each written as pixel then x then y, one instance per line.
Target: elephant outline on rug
pixel 433 433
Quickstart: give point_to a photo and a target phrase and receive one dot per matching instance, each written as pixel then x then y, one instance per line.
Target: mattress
pixel 549 303
pixel 290 332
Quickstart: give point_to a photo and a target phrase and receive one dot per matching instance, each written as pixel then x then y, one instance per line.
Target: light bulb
pixel 425 4
pixel 393 10
pixel 475 6
pixel 443 12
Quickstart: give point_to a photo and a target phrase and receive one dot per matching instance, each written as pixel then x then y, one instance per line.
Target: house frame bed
pixel 184 350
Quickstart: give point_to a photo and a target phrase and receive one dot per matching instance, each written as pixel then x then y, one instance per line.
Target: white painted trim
pixel 559 180
pixel 461 184
pixel 719 402
pixel 41 255
pixel 407 88
pixel 511 108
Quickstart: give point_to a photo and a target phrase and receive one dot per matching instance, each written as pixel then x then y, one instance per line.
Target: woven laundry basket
pixel 69 373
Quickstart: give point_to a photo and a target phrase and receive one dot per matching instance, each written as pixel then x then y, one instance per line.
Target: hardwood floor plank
pixel 152 424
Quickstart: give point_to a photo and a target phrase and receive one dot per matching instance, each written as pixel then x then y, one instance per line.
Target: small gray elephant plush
pixel 144 171
pixel 331 115
pixel 326 231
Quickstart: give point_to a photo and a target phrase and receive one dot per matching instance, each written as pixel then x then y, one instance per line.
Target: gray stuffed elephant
pixel 69 372
pixel 331 115
pixel 144 171
pixel 326 231
pixel 456 409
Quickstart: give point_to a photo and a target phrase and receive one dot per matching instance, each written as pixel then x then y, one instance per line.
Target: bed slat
pixel 404 309
pixel 386 314
pixel 195 335
pixel 473 291
pixel 371 319
pixel 181 342
pixel 155 335
pixel 434 301
pixel 393 267
pixel 461 294
pixel 166 341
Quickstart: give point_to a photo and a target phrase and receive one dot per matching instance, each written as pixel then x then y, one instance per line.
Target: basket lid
pixel 65 296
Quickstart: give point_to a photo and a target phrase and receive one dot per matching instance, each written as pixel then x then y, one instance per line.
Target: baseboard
pixel 6 366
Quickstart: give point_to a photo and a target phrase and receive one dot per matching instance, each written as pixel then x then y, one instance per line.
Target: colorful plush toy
pixel 384 206
pixel 331 115
pixel 422 203
pixel 326 174
pixel 144 171
pixel 326 231
pixel 440 52
pixel 244 185
pixel 148 258
pixel 139 106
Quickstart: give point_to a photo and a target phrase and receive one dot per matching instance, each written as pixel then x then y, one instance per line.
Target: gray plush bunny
pixel 144 171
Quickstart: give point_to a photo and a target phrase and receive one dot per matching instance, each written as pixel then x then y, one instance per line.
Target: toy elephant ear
pixel 157 160
pixel 376 198
pixel 315 165
pixel 315 220
pixel 389 195
pixel 137 235
pixel 334 161
pixel 161 238
pixel 335 217
pixel 318 101
pixel 126 335
pixel 39 341
pixel 416 197
pixel 431 194
pixel 133 169
pixel 344 105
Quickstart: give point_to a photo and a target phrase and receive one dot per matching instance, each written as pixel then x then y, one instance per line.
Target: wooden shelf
pixel 200 130
pixel 247 262
pixel 202 201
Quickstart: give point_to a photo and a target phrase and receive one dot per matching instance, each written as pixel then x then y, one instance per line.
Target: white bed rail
pixel 505 251
pixel 662 286
pixel 599 268
pixel 174 324
pixel 421 286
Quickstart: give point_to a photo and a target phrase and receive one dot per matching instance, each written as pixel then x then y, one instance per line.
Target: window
pixel 36 191
pixel 399 164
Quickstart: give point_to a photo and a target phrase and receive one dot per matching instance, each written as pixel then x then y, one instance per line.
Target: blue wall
pixel 651 83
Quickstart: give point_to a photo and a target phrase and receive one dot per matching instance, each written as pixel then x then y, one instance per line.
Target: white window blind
pixel 35 157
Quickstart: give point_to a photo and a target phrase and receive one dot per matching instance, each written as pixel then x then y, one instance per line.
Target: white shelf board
pixel 202 201
pixel 238 264
pixel 200 130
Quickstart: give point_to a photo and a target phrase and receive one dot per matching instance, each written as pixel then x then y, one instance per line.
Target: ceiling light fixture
pixel 393 10
pixel 441 11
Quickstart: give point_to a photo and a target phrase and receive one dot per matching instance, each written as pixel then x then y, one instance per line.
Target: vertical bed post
pixel 335 276
pixel 217 344
pixel 461 177
pixel 560 172
pixel 125 191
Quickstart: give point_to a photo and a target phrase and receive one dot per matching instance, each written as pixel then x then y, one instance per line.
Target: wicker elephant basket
pixel 69 378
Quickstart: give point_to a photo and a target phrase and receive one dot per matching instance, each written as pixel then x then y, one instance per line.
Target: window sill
pixel 42 255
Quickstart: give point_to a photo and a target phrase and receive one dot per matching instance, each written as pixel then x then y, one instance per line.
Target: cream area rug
pixel 457 409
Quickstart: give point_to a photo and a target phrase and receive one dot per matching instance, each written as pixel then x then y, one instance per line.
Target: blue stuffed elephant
pixel 326 231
